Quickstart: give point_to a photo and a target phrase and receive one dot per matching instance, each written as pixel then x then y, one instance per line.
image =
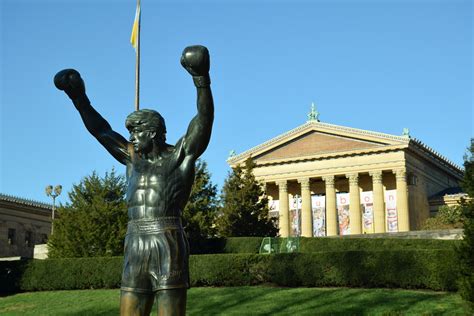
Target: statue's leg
pixel 136 304
pixel 171 302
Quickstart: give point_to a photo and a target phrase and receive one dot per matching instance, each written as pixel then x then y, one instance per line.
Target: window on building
pixel 412 179
pixel 11 236
pixel 29 242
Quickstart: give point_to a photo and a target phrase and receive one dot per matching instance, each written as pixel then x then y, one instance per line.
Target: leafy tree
pixel 95 222
pixel 200 212
pixel 245 207
pixel 448 217
pixel 466 249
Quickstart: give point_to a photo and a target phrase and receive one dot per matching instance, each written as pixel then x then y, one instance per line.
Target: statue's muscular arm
pixel 195 60
pixel 199 130
pixel 71 82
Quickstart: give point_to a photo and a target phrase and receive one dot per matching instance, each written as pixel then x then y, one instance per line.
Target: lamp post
pixel 57 192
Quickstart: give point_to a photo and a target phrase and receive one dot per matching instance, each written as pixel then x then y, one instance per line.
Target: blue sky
pixel 375 65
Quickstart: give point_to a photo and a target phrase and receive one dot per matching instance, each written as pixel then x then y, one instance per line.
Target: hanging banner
pixel 367 201
pixel 318 206
pixel 342 204
pixel 295 216
pixel 391 210
pixel 274 210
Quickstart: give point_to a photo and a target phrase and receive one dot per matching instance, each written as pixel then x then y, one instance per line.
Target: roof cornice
pixel 27 202
pixel 430 152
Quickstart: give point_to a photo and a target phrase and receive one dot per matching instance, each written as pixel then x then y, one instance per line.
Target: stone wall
pixel 448 234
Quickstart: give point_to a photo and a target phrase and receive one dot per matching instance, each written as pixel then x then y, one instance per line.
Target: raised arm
pixel 195 60
pixel 70 81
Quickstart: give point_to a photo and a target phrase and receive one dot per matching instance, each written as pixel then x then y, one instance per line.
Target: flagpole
pixel 137 64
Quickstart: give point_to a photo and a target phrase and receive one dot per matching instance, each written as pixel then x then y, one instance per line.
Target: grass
pixel 250 301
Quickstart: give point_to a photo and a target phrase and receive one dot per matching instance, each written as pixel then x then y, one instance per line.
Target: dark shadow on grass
pixel 93 311
pixel 297 301
pixel 223 300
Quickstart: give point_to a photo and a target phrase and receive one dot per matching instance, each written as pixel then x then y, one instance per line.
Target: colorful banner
pixel 318 206
pixel 274 210
pixel 342 204
pixel 295 216
pixel 367 201
pixel 391 210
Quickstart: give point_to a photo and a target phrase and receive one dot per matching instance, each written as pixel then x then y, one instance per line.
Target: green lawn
pixel 250 301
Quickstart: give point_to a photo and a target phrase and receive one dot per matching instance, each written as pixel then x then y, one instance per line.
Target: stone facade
pixel 397 174
pixel 23 224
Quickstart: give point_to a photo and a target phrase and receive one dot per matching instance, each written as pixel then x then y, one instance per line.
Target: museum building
pixel 326 180
pixel 23 224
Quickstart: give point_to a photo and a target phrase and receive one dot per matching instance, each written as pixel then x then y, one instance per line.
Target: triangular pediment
pixel 315 143
pixel 316 139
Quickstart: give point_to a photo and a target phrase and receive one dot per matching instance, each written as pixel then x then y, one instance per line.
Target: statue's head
pixel 146 127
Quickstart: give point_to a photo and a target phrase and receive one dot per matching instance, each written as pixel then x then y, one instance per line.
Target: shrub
pixel 226 245
pixel 252 244
pixel 372 244
pixel 430 269
pixel 72 273
pixel 227 269
pixel 242 245
pixel 448 217
pixel 10 275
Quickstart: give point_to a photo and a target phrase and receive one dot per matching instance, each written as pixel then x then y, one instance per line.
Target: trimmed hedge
pixel 252 244
pixel 72 274
pixel 373 244
pixel 11 273
pixel 228 269
pixel 226 245
pixel 428 269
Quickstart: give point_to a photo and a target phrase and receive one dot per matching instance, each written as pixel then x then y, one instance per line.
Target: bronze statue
pixel 159 179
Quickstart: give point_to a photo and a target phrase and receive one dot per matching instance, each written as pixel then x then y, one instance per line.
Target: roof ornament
pixel 232 154
pixel 314 114
pixel 406 132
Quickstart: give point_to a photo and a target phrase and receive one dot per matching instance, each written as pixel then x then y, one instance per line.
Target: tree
pixel 466 249
pixel 245 207
pixel 448 217
pixel 94 223
pixel 200 212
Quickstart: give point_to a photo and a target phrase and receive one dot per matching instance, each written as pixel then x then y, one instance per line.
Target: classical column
pixel 402 200
pixel 306 218
pixel 379 209
pixel 331 212
pixel 284 223
pixel 355 221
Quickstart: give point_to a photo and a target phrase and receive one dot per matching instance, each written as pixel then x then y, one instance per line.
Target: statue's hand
pixel 70 81
pixel 195 60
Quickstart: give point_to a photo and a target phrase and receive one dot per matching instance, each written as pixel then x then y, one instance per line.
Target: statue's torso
pixel 159 188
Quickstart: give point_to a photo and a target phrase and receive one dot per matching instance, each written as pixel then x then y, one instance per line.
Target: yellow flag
pixel 134 36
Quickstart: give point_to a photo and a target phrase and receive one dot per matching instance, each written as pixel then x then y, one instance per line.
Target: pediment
pixel 316 139
pixel 315 143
